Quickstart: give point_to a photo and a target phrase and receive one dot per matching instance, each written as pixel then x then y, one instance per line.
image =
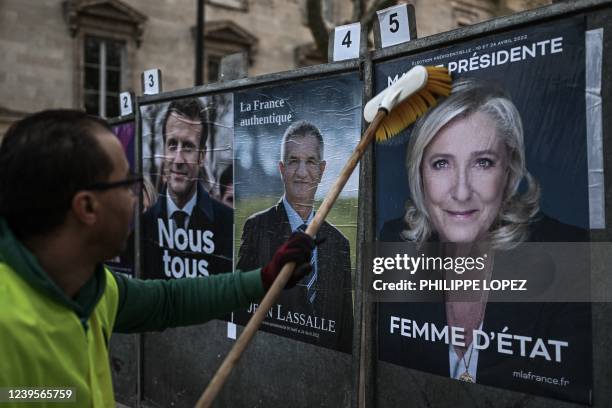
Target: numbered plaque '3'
pixel 151 82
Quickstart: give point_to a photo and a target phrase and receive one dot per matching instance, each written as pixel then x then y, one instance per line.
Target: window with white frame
pixel 224 38
pixel 104 62
pixel 106 35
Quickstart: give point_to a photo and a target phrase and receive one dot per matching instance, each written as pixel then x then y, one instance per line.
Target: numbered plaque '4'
pixel 347 39
pixel 394 25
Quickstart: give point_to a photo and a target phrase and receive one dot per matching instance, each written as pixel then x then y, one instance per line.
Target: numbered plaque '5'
pixel 396 25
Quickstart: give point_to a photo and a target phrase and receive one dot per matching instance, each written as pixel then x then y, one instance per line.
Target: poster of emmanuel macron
pixel 187 229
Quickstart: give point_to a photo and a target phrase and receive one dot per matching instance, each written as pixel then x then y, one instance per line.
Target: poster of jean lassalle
pixel 291 141
pixel 187 220
pixel 502 161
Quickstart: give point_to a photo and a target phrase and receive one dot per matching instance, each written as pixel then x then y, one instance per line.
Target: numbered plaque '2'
pixel 125 103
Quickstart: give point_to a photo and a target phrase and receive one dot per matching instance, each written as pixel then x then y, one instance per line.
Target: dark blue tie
pixel 179 218
pixel 311 290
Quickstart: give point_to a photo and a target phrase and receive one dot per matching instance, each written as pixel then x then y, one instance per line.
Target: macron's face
pixel 182 156
pixel 301 170
pixel 464 173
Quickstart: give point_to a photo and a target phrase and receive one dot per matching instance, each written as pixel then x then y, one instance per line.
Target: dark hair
pixel 299 129
pixel 45 159
pixel 192 109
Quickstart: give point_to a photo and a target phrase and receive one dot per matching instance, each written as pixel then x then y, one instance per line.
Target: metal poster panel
pixel 502 160
pixel 123 349
pixel 291 143
pixel 125 132
pixel 187 220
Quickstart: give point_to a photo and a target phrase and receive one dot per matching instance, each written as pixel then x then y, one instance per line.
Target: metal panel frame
pixel 364 199
pixel 598 13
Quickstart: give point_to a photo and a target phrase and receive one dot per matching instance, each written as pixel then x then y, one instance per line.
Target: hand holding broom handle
pixel 409 85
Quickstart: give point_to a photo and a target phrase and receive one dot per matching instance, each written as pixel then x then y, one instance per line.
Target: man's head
pixel 184 147
pixel 302 163
pixel 57 166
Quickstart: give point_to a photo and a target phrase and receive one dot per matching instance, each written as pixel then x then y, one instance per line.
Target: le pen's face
pixel 302 169
pixel 464 173
pixel 182 156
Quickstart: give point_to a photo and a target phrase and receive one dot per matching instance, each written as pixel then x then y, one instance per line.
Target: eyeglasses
pixel 134 182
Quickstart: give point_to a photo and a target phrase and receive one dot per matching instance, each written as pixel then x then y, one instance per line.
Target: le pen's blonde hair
pixel 468 97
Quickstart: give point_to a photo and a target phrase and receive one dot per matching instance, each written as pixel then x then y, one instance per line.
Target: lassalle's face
pixel 464 172
pixel 302 169
pixel 182 156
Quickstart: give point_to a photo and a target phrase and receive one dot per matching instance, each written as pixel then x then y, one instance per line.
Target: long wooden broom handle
pixel 281 280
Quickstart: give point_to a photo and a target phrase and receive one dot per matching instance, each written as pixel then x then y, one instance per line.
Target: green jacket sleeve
pixel 153 305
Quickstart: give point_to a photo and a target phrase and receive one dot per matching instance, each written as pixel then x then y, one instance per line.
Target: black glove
pixel 298 248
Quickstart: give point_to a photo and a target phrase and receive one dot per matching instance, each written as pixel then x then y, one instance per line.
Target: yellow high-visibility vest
pixel 45 344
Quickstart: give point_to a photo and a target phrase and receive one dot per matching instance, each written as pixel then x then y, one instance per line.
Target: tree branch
pixel 318 26
pixel 368 16
pixel 358 6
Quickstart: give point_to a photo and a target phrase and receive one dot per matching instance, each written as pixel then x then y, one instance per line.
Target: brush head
pixel 408 99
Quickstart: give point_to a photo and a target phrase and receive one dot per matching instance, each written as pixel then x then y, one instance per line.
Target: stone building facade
pixel 80 53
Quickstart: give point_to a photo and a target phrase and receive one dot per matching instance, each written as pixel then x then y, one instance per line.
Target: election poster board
pixel 125 132
pixel 291 142
pixel 187 220
pixel 537 348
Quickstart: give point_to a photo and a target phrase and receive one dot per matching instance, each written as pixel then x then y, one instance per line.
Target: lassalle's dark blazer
pixel 263 233
pixel 203 248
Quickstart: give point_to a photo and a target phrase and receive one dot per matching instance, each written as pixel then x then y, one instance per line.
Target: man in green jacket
pixel 66 205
